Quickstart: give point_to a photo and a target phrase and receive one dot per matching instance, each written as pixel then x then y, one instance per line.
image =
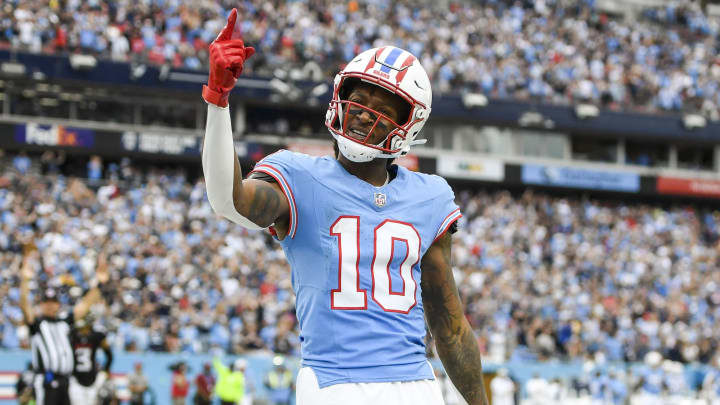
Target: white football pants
pixel 421 392
pixel 82 395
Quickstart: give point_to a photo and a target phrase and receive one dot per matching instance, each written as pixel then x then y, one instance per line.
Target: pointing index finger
pixel 226 32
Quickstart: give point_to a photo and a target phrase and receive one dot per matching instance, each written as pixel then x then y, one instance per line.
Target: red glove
pixel 227 56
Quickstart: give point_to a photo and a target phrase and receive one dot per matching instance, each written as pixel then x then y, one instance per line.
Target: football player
pixel 86 339
pixel 87 377
pixel 367 240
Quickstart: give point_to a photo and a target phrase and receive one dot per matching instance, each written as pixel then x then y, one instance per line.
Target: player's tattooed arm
pixel 454 339
pixel 260 201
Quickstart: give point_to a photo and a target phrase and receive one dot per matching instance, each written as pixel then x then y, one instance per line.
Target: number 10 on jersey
pixel 348 295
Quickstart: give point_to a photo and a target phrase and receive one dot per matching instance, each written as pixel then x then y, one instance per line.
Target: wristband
pixel 214 97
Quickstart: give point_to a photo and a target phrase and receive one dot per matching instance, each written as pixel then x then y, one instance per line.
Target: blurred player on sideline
pixel 86 340
pixel 87 377
pixel 356 230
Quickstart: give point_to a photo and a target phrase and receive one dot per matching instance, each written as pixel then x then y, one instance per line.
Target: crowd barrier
pixel 156 367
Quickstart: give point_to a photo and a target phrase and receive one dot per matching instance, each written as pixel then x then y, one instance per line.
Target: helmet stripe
pixel 372 61
pixel 403 68
pixel 390 60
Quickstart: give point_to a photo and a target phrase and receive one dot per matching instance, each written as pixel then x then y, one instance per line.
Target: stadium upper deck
pixel 554 51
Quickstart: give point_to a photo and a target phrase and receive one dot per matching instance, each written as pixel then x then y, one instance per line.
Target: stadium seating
pixel 563 278
pixel 544 278
pixel 552 51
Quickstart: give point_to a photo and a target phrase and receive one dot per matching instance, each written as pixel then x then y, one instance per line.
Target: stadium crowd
pixel 557 51
pixel 187 280
pixel 542 277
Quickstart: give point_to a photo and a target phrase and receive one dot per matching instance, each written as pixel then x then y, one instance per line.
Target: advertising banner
pixel 580 178
pixel 471 168
pixel 161 143
pixel 697 187
pixel 54 135
pixel 34 136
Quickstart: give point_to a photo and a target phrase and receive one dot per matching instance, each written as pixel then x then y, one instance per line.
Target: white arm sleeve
pixel 218 162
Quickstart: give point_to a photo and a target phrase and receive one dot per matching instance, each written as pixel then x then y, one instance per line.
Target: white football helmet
pixel 397 71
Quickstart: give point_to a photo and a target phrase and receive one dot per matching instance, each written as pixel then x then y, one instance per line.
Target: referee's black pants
pixel 52 390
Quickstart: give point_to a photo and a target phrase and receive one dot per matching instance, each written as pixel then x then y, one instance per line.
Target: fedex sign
pixel 54 135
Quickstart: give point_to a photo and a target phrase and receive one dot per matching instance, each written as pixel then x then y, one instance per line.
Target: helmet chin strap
pixel 364 153
pixel 355 152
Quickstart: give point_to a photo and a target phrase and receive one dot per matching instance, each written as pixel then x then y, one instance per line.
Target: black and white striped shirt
pixel 50 343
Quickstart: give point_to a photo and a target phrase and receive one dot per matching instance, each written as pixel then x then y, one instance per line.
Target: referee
pixel 52 355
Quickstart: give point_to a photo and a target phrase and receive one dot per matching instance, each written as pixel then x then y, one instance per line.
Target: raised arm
pixel 26 273
pixel 221 369
pixel 108 355
pixel 252 203
pixel 93 295
pixel 454 339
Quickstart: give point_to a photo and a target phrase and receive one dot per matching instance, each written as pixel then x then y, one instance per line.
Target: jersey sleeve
pixel 447 212
pixel 283 168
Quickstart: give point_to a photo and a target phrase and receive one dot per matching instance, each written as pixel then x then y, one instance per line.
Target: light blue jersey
pixel 355 252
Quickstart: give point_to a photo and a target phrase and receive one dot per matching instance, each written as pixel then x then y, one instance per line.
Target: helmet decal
pixel 404 68
pixel 390 59
pixel 373 61
pixel 384 62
